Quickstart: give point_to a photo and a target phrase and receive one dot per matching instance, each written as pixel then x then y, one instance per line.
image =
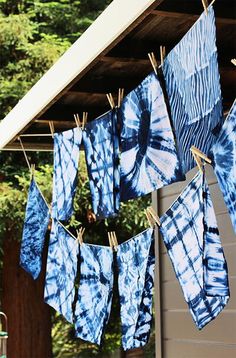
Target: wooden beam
pixel 125 60
pixel 190 17
pixel 44 123
pixel 29 147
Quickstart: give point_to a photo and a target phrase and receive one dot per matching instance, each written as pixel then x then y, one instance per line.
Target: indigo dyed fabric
pixel 148 153
pixel 59 291
pixel 101 149
pixel 224 162
pixel 191 236
pixel 192 82
pixel 93 306
pixel 135 261
pixel 66 160
pixel 35 227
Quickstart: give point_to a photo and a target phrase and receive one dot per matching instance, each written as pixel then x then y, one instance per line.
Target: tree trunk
pixel 29 322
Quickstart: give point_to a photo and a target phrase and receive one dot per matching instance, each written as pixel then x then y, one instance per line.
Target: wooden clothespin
pixel 198 155
pixel 51 126
pixel 111 100
pixel 153 61
pixel 81 123
pixel 154 215
pixel 80 233
pixel 149 218
pixel 162 53
pixel 32 170
pixel 85 118
pixel 114 239
pixel 205 5
pixel 120 96
pixel 110 240
pixel 233 61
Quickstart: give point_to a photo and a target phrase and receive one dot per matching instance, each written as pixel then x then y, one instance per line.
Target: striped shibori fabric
pixel 191 236
pixel 101 146
pixel 224 162
pixel 59 291
pixel 35 227
pixel 66 160
pixel 135 261
pixel 148 154
pixel 193 86
pixel 93 306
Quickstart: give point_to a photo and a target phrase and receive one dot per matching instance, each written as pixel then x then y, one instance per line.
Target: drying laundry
pixel 59 291
pixel 35 227
pixel 224 162
pixel 136 260
pixel 101 146
pixel 66 160
pixel 192 81
pixel 191 236
pixel 93 306
pixel 148 153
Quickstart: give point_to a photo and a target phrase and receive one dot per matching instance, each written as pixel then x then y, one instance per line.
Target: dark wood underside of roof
pixel 127 63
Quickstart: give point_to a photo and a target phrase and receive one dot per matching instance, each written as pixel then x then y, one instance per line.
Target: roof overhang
pixel 111 53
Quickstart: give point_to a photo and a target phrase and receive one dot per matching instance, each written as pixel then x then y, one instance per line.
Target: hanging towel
pixel 66 159
pixel 93 306
pixel 224 162
pixel 135 261
pixel 101 146
pixel 191 236
pixel 35 227
pixel 193 86
pixel 59 291
pixel 148 153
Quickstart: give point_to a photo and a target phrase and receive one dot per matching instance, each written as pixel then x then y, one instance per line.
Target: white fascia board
pixel 112 22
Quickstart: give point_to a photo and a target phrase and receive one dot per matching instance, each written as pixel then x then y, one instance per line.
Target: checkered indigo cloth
pixel 101 146
pixel 35 227
pixel 59 291
pixel 191 236
pixel 93 306
pixel 66 159
pixel 135 261
pixel 148 154
pixel 193 86
pixel 224 162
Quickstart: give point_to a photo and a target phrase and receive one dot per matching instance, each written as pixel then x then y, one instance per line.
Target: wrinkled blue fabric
pixel 224 162
pixel 193 86
pixel 93 306
pixel 101 146
pixel 66 160
pixel 135 261
pixel 59 291
pixel 35 226
pixel 148 154
pixel 191 236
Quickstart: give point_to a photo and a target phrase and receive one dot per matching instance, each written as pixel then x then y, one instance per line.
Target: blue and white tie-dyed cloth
pixel 135 261
pixel 101 146
pixel 224 162
pixel 191 236
pixel 93 307
pixel 148 154
pixel 193 86
pixel 66 160
pixel 35 227
pixel 59 291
